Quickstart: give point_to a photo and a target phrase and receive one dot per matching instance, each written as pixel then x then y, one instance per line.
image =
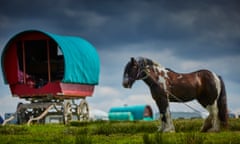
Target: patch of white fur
pixel 163 82
pixel 162 79
pixel 179 77
pixel 217 82
pixel 126 80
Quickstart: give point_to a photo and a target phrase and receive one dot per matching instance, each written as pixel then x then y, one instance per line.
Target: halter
pixel 140 71
pixel 144 64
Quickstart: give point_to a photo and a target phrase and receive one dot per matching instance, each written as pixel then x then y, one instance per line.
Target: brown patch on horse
pixel 182 86
pixel 206 88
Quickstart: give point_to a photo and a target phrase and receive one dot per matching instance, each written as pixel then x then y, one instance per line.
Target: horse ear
pixel 133 61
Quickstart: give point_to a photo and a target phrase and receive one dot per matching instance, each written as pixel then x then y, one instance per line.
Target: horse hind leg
pixel 212 123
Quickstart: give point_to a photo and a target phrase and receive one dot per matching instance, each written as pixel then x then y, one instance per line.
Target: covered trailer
pixel 50 71
pixel 131 113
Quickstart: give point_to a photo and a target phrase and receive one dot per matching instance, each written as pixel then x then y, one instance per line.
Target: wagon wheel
pixel 83 111
pixel 67 113
pixel 22 114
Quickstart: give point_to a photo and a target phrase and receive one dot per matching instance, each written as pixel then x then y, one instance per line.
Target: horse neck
pixel 152 78
pixel 149 81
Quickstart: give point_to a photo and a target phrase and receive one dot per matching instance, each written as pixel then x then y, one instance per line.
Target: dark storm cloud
pixel 192 29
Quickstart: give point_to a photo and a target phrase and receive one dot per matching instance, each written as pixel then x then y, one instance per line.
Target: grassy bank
pixel 187 132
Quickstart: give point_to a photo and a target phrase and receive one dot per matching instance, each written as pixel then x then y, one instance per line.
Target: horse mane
pixel 147 61
pixel 168 69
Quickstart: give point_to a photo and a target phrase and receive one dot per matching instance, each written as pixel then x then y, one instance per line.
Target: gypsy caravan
pixel 51 72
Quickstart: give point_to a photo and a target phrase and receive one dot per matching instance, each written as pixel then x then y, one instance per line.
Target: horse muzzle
pixel 126 83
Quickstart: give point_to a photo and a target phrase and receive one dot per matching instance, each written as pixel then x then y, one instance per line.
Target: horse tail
pixel 222 105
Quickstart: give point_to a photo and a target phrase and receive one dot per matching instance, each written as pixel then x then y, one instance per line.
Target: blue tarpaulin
pixel 82 63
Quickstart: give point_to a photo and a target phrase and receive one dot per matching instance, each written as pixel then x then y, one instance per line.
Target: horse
pixel 168 86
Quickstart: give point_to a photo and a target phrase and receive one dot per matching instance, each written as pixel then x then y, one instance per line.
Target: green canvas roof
pixel 81 60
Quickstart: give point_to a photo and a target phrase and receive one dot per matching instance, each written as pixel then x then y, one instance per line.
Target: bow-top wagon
pixel 51 72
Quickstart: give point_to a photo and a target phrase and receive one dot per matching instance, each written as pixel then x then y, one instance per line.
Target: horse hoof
pixel 167 130
pixel 213 130
pixel 171 131
pixel 210 130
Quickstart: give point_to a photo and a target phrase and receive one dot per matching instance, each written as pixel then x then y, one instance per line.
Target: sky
pixel 182 35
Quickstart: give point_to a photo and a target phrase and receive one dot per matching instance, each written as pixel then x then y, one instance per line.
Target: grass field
pixel 139 132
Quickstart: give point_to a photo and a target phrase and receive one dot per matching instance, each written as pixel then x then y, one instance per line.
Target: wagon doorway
pixel 39 62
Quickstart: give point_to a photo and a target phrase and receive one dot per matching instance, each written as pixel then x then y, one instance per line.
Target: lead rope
pixel 180 100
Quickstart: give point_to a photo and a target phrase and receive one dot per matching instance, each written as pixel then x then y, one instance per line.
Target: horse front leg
pixel 165 115
pixel 166 121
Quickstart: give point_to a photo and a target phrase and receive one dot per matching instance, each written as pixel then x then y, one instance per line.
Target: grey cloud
pixel 191 29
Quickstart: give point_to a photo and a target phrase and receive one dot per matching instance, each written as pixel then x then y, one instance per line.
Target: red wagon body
pixel 54 89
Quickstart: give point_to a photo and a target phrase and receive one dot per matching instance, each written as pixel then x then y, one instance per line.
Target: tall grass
pixel 192 138
pixel 12 130
pixel 83 139
pixel 157 138
pixel 107 128
pixel 187 131
pixel 124 127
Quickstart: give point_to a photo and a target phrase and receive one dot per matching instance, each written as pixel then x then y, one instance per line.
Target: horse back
pixel 189 86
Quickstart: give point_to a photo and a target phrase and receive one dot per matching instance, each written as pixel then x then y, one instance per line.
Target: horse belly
pixel 175 98
pixel 182 94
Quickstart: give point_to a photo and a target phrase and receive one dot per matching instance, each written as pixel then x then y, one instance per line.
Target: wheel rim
pixel 83 111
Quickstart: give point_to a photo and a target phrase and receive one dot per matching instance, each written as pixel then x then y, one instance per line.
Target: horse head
pixel 130 73
pixel 134 70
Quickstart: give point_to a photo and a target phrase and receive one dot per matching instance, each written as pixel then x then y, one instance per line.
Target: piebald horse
pixel 168 86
